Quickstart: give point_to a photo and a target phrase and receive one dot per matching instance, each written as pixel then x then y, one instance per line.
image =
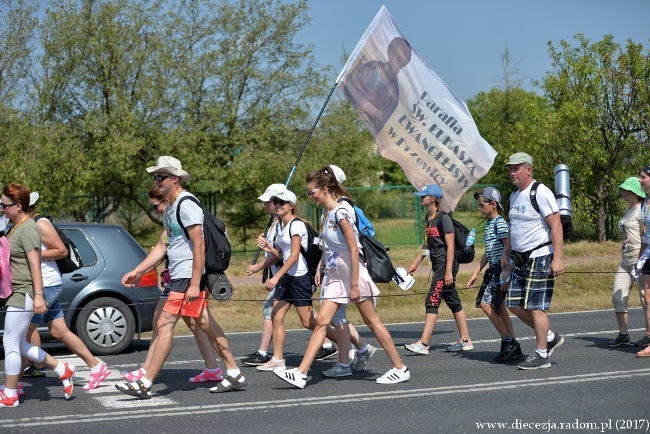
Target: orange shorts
pixel 177 305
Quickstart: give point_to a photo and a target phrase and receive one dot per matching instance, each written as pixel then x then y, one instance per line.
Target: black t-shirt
pixel 435 242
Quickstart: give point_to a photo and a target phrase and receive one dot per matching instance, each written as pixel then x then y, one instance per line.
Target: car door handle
pixel 78 277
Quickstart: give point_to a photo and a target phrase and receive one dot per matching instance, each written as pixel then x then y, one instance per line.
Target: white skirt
pixel 338 279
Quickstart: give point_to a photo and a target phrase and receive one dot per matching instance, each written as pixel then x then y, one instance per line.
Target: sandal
pixel 141 392
pixel 644 353
pixel 131 376
pixel 235 384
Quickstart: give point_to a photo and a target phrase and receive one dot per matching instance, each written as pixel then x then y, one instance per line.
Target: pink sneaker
pixel 132 376
pixel 97 378
pixel 67 375
pixel 206 376
pixel 21 391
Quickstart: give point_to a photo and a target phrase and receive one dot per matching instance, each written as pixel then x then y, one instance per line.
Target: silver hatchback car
pixel 98 308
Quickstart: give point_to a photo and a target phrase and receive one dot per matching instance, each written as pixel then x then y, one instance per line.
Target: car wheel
pixel 106 326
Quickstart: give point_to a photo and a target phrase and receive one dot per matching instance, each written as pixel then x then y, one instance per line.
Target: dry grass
pixel 586 285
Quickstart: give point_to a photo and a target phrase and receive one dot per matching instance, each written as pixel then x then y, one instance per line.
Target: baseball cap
pixel 339 174
pixel 634 185
pixel 271 191
pixel 430 190
pixel 520 158
pixel 490 194
pixel 286 195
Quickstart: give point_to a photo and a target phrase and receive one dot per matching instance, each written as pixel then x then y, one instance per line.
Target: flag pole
pixel 295 165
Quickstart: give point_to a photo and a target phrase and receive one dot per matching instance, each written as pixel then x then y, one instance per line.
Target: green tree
pixel 600 124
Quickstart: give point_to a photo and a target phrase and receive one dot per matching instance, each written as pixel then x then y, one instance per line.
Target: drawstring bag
pixel 6 287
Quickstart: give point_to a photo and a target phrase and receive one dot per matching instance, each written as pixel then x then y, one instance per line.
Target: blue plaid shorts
pixel 531 285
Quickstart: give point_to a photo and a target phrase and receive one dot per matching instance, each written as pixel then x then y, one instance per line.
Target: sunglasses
pixel 483 205
pixel 155 207
pixel 4 206
pixel 280 202
pixel 312 192
pixel 160 178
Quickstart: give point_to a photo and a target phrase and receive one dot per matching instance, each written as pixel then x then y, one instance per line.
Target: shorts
pixel 295 290
pixel 623 283
pixel 437 293
pixel 54 310
pixel 176 304
pixel 490 292
pixel 531 285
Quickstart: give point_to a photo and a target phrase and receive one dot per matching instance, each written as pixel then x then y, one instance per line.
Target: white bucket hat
pixel 170 165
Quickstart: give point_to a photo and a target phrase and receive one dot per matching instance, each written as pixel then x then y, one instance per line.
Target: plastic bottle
pixel 471 237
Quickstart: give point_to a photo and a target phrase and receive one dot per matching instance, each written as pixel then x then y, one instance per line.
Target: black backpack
pixel 72 262
pixel 313 253
pixel 566 220
pixel 215 237
pixel 464 254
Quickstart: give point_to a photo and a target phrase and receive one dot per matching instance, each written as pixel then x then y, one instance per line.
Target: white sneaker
pixel 394 376
pixel 292 376
pixel 272 365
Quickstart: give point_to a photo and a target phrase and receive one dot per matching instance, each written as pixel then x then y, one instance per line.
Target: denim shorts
pixel 54 310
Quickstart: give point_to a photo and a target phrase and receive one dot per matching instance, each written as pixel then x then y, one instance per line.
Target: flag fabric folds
pixel 415 119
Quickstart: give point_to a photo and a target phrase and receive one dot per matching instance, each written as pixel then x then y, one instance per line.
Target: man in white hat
pixel 187 296
pixel 535 245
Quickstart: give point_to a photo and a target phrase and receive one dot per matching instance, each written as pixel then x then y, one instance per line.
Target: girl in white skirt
pixel 346 280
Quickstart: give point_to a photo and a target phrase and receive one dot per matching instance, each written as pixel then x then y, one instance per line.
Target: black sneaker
pixel 510 350
pixel 255 359
pixel 554 344
pixel 32 371
pixel 326 353
pixel 535 361
pixel 643 342
pixel 620 340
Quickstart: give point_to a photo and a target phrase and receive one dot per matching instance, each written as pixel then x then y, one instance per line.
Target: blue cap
pixel 430 190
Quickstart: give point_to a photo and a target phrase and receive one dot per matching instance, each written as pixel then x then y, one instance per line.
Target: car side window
pixel 88 256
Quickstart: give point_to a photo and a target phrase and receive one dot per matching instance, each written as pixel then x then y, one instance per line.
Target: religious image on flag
pixel 415 119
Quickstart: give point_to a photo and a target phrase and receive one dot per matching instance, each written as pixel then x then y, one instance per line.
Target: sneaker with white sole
pixel 363 358
pixel 6 401
pixel 326 353
pixel 98 377
pixel 394 376
pixel 292 376
pixel 461 345
pixel 338 370
pixel 554 344
pixel 272 365
pixel 535 361
pixel 417 347
pixel 207 376
pixel 67 375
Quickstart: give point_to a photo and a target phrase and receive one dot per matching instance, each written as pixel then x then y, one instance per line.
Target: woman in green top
pixel 27 297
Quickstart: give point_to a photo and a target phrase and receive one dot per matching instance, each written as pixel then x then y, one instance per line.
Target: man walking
pixel 187 297
pixel 535 246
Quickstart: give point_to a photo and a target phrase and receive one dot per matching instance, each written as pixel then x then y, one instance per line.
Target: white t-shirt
pixel 49 269
pixel 332 234
pixel 283 242
pixel 528 228
pixel 179 248
pixel 271 236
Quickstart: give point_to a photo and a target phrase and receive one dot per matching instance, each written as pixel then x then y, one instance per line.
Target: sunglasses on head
pixel 160 178
pixel 280 202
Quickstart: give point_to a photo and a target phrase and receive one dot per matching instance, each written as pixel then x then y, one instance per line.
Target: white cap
pixel 339 174
pixel 170 165
pixel 286 195
pixel 33 198
pixel 271 191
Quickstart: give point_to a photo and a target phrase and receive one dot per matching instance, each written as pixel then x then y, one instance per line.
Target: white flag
pixel 416 120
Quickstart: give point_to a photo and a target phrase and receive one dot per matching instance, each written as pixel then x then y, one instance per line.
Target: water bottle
pixel 471 237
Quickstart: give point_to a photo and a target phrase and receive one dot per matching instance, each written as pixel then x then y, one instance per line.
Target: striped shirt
pixel 495 231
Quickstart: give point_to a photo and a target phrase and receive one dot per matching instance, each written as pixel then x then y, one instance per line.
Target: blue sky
pixel 463 40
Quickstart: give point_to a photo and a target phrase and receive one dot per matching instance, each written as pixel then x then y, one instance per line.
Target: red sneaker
pixel 6 401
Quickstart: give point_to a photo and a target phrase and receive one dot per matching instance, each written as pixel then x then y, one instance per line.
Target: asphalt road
pixel 589 388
